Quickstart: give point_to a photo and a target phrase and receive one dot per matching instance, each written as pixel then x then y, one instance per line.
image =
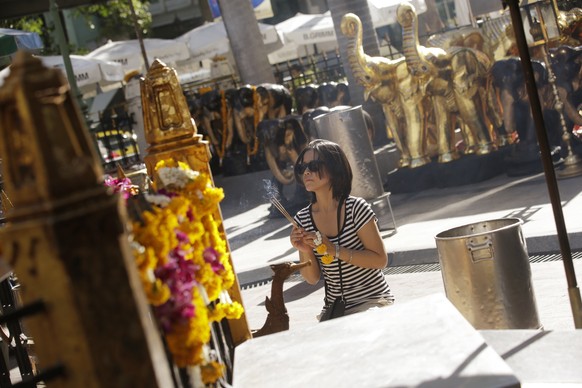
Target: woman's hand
pixel 302 240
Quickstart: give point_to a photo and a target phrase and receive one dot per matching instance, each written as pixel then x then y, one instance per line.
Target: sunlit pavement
pixel 257 241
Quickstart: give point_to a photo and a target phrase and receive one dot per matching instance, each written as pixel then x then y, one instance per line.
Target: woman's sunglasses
pixel 313 166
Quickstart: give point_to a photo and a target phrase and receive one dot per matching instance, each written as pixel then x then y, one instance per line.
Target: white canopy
pixel 87 71
pixel 304 29
pixel 128 52
pixel 318 29
pixel 288 52
pixel 383 12
pixel 211 39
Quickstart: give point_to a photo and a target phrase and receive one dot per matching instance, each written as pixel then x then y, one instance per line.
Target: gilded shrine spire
pixel 169 128
pixel 171 134
pixel 167 118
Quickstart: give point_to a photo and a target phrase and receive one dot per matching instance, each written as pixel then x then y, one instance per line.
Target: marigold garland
pixel 211 372
pixel 255 140
pixel 321 249
pixel 183 263
pixel 223 116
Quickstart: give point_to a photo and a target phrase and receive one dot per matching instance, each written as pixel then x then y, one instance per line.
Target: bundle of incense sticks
pixel 283 211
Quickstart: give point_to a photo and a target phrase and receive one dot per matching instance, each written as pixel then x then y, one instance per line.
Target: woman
pixel 338 233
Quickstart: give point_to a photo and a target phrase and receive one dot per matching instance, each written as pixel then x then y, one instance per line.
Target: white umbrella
pixel 286 53
pixel 383 12
pixel 301 32
pixel 87 71
pixel 211 39
pixel 128 52
pixel 304 29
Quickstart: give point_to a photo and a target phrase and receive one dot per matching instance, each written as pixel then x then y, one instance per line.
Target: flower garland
pixel 321 249
pixel 223 114
pixel 183 263
pixel 124 186
pixel 255 149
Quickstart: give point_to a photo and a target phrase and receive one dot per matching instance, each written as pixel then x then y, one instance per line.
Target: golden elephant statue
pixel 389 83
pixel 428 88
pixel 458 84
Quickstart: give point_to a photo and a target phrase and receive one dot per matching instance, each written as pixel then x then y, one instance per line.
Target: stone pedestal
pixel 425 342
pixel 466 170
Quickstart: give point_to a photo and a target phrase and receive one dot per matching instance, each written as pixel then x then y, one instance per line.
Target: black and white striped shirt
pixel 360 285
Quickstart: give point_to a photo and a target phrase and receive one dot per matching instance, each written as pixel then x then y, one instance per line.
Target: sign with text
pixel 262 8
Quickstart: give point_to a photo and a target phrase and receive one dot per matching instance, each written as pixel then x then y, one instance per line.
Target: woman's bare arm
pixel 374 253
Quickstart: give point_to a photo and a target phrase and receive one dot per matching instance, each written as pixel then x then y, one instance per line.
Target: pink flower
pixel 124 186
pixel 212 257
pixel 181 236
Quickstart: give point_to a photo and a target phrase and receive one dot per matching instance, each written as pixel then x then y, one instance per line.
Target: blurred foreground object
pixel 65 240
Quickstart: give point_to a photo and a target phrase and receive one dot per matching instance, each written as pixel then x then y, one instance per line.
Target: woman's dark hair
pixel 336 165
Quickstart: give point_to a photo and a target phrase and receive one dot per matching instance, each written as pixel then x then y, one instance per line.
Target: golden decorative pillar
pixel 65 240
pixel 172 134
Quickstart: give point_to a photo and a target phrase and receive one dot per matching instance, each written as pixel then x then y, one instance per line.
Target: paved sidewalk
pixel 257 241
pixel 304 301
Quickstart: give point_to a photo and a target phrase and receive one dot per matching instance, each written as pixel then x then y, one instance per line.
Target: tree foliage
pixel 115 18
pixel 34 23
pixel 28 23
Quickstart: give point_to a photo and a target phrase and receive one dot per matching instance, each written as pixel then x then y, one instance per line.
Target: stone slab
pixel 540 357
pixel 425 342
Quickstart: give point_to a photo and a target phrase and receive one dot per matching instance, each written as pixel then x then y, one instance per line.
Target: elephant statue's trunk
pixel 430 71
pixel 359 62
pixel 383 80
pixel 416 61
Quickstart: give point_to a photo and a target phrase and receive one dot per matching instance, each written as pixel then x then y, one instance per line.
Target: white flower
pixel 175 176
pixel 192 174
pixel 318 240
pixel 224 297
pixel 158 199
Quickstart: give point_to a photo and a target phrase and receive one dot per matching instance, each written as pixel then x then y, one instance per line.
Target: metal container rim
pixel 513 222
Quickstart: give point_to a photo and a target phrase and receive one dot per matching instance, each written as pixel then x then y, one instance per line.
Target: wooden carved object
pixel 65 240
pixel 277 318
pixel 172 134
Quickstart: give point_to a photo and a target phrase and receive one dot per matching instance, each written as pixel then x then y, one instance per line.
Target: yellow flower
pixel 226 310
pixel 183 166
pixel 211 372
pixel 327 259
pixel 186 341
pixel 158 293
pixel 190 221
pixel 321 249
